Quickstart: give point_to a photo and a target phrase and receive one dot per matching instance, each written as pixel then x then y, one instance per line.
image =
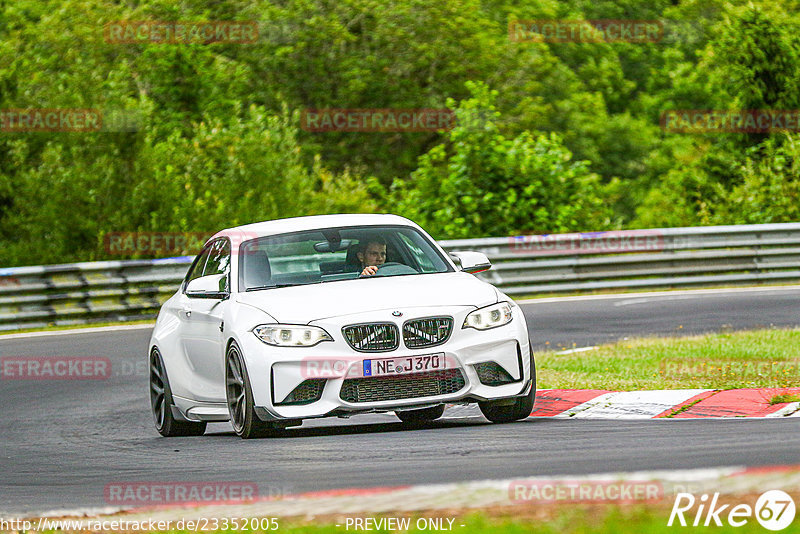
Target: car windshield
pixel 334 254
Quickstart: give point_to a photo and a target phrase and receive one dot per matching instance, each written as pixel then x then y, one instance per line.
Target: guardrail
pixel 658 258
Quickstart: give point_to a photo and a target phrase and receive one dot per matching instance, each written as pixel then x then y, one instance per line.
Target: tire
pixel 162 406
pixel 239 397
pixel 499 412
pixel 424 415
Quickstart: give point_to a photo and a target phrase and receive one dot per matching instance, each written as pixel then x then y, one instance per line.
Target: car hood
pixel 303 304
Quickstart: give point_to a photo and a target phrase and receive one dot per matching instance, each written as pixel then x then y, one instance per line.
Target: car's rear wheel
pixel 162 405
pixel 505 411
pixel 239 394
pixel 421 416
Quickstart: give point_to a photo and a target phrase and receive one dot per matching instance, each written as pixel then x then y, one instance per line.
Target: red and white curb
pixel 655 404
pixel 677 404
pixel 477 494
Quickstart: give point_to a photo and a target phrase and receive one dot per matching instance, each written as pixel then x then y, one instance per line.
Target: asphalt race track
pixel 64 441
pixel 569 323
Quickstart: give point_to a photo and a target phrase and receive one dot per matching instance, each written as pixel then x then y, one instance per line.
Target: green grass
pixel 780 399
pixel 767 358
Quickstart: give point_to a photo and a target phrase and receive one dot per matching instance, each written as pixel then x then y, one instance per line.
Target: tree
pixel 480 183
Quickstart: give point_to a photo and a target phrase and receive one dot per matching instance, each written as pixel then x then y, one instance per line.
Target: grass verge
pixel 767 358
pixel 781 399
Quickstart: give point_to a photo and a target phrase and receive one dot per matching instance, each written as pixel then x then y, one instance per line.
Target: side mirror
pixel 212 286
pixel 471 262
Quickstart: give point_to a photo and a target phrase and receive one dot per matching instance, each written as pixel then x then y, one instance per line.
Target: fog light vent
pixel 307 392
pixel 491 374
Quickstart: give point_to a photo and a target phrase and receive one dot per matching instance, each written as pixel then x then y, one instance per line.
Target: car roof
pixel 312 222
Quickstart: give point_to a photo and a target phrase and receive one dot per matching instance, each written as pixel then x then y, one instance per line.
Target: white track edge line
pixel 550 300
pixel 93 330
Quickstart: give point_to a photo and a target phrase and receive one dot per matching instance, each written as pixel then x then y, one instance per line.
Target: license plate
pixel 405 365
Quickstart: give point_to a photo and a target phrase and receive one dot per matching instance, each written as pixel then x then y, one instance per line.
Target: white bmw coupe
pixel 334 315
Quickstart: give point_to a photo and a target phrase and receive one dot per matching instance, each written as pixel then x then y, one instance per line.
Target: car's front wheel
pixel 162 405
pixel 239 394
pixel 505 411
pixel 421 416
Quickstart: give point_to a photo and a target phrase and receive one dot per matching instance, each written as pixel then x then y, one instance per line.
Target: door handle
pixel 187 312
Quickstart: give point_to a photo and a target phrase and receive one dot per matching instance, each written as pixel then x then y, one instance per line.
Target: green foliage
pixel 480 183
pixel 720 188
pixel 569 138
pixel 233 172
pixel 756 56
pixel 60 203
pixel 226 173
pixel 751 63
pixel 769 187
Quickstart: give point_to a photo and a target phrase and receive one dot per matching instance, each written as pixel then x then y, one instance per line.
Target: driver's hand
pixel 369 270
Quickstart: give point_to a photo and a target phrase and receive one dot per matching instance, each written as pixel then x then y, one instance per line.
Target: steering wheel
pixel 391 268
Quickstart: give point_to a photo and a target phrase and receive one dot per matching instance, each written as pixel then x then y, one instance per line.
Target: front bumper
pixel 275 372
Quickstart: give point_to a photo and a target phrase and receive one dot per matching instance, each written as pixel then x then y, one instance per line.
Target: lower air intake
pixel 410 386
pixel 307 392
pixel 491 374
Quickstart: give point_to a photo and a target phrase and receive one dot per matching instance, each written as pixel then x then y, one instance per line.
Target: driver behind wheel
pixel 371 253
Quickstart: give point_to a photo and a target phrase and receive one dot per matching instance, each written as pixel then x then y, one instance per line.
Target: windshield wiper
pixel 274 286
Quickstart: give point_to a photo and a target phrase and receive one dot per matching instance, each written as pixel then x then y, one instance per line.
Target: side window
pixel 219 261
pixel 219 258
pixel 199 265
pixel 422 258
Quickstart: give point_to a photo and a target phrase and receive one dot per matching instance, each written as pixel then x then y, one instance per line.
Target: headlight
pixel 489 317
pixel 288 335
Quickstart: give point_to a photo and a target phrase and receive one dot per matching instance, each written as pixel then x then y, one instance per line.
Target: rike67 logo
pixel 774 510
